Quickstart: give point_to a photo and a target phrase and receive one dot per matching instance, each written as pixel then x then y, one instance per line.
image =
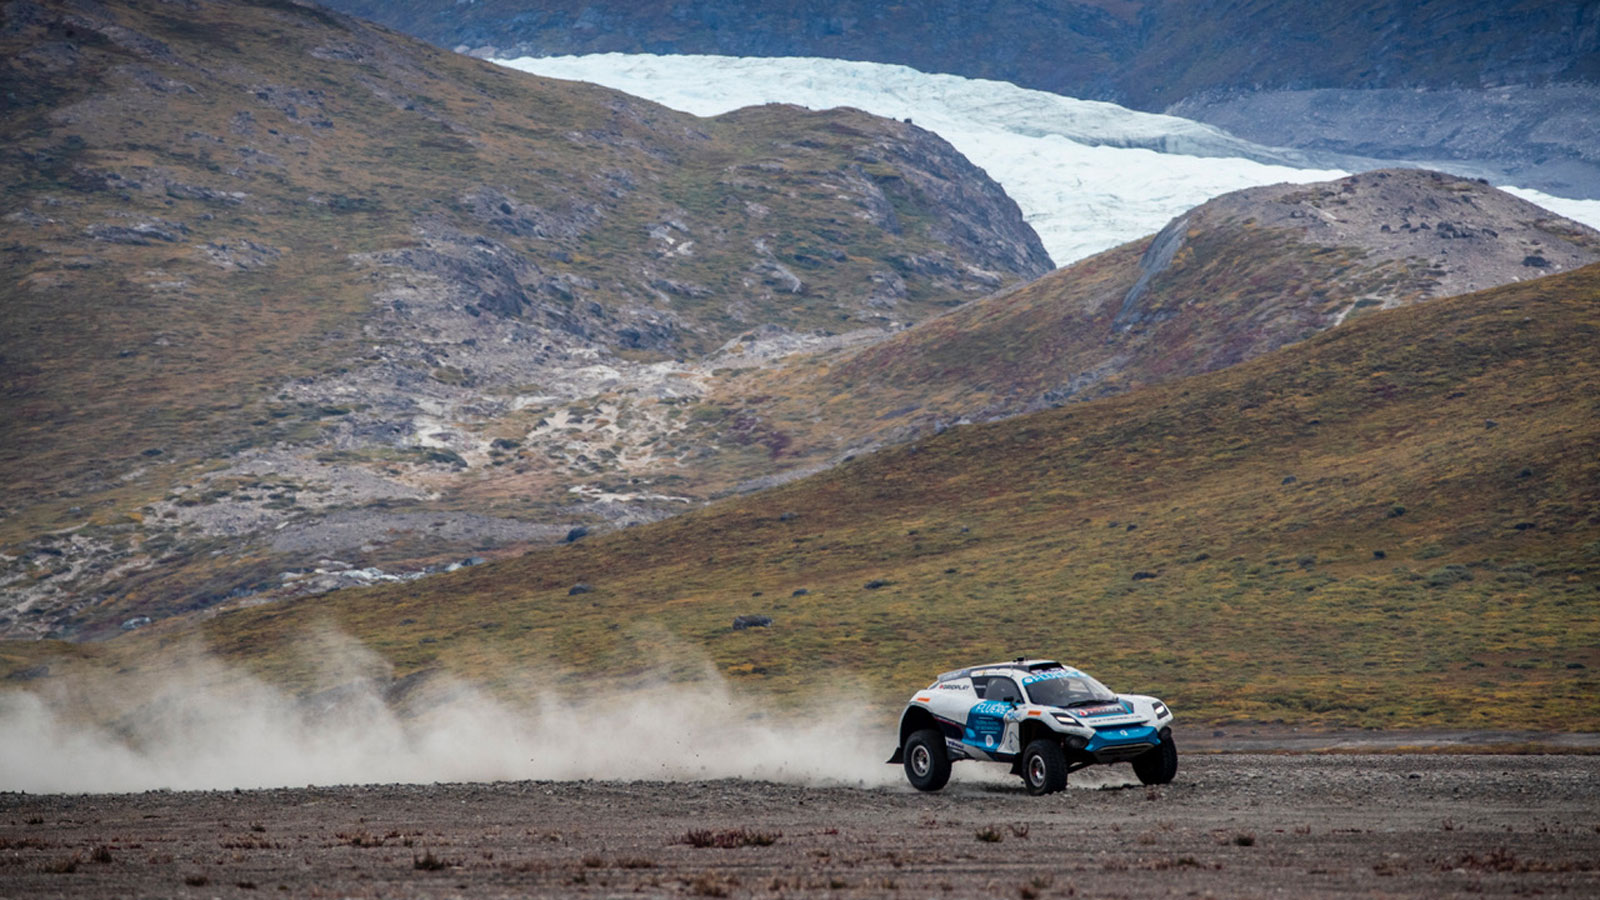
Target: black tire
pixel 1160 764
pixel 1044 767
pixel 927 764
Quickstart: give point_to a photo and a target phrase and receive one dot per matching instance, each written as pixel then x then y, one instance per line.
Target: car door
pixel 985 729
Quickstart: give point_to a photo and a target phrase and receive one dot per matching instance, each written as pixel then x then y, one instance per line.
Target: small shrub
pixel 427 862
pixel 1182 862
pixel 1244 839
pixel 1447 575
pixel 730 838
pixel 196 880
pixel 711 884
pixel 65 865
pixel 989 834
pixel 1019 831
pixel 100 854
pixel 593 861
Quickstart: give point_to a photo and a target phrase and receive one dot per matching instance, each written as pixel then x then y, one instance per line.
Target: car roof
pixel 1013 665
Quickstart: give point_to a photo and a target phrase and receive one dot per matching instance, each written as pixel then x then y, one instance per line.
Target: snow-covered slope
pixel 1088 175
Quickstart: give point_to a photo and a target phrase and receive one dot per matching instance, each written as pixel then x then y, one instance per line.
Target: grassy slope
pixel 1458 438
pixel 341 139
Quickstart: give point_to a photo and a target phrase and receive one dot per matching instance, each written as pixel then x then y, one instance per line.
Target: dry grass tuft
pixel 730 838
pixel 428 862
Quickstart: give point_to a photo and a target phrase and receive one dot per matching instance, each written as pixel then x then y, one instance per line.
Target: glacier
pixel 1087 175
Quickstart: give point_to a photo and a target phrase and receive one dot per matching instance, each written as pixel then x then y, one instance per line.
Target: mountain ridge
pixel 1148 54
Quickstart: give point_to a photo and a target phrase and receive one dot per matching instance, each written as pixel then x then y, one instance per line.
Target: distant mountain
pixel 1285 73
pixel 285 291
pixel 1394 521
pixel 1545 137
pixel 1142 53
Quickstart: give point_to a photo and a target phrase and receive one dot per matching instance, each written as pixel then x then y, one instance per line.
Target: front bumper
pixel 1119 743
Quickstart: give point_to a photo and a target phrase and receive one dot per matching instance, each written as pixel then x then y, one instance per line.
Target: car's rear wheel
pixel 1159 764
pixel 1044 767
pixel 927 764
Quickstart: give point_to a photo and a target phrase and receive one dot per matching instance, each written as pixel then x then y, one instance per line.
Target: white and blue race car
pixel 1043 718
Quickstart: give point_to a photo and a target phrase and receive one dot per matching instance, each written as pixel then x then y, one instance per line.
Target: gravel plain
pixel 1231 825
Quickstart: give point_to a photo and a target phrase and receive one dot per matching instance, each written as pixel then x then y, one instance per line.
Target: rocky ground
pixel 1232 825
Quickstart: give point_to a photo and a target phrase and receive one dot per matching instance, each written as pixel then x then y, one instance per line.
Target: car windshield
pixel 1065 689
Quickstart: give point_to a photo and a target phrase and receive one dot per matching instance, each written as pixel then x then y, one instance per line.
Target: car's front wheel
pixel 927 764
pixel 1044 767
pixel 1159 764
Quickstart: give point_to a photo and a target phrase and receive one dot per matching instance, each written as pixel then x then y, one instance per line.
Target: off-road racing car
pixel 1044 718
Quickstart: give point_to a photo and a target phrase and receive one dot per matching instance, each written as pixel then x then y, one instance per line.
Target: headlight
pixel 1161 710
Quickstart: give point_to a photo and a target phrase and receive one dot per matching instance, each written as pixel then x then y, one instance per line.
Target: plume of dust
pixel 203 725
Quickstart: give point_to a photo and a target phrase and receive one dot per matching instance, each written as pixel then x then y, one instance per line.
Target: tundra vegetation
pixel 1391 522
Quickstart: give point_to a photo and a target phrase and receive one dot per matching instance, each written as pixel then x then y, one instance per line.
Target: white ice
pixel 1087 175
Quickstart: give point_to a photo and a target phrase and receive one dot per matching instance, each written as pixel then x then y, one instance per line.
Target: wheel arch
pixel 914 719
pixel 1033 729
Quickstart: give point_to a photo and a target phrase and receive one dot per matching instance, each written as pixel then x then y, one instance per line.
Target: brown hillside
pixel 268 267
pixel 1395 523
pixel 1234 278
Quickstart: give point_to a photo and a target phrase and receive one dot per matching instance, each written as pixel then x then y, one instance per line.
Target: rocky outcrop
pixel 1163 247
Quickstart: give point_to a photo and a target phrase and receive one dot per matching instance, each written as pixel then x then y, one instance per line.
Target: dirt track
pixel 1231 826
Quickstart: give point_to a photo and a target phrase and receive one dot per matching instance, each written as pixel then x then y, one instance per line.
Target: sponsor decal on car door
pixel 991 725
pixel 986 726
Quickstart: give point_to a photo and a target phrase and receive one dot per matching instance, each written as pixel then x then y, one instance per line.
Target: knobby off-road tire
pixel 1160 764
pixel 927 764
pixel 1044 767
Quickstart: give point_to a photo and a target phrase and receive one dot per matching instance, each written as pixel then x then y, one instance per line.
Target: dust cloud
pixel 202 725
